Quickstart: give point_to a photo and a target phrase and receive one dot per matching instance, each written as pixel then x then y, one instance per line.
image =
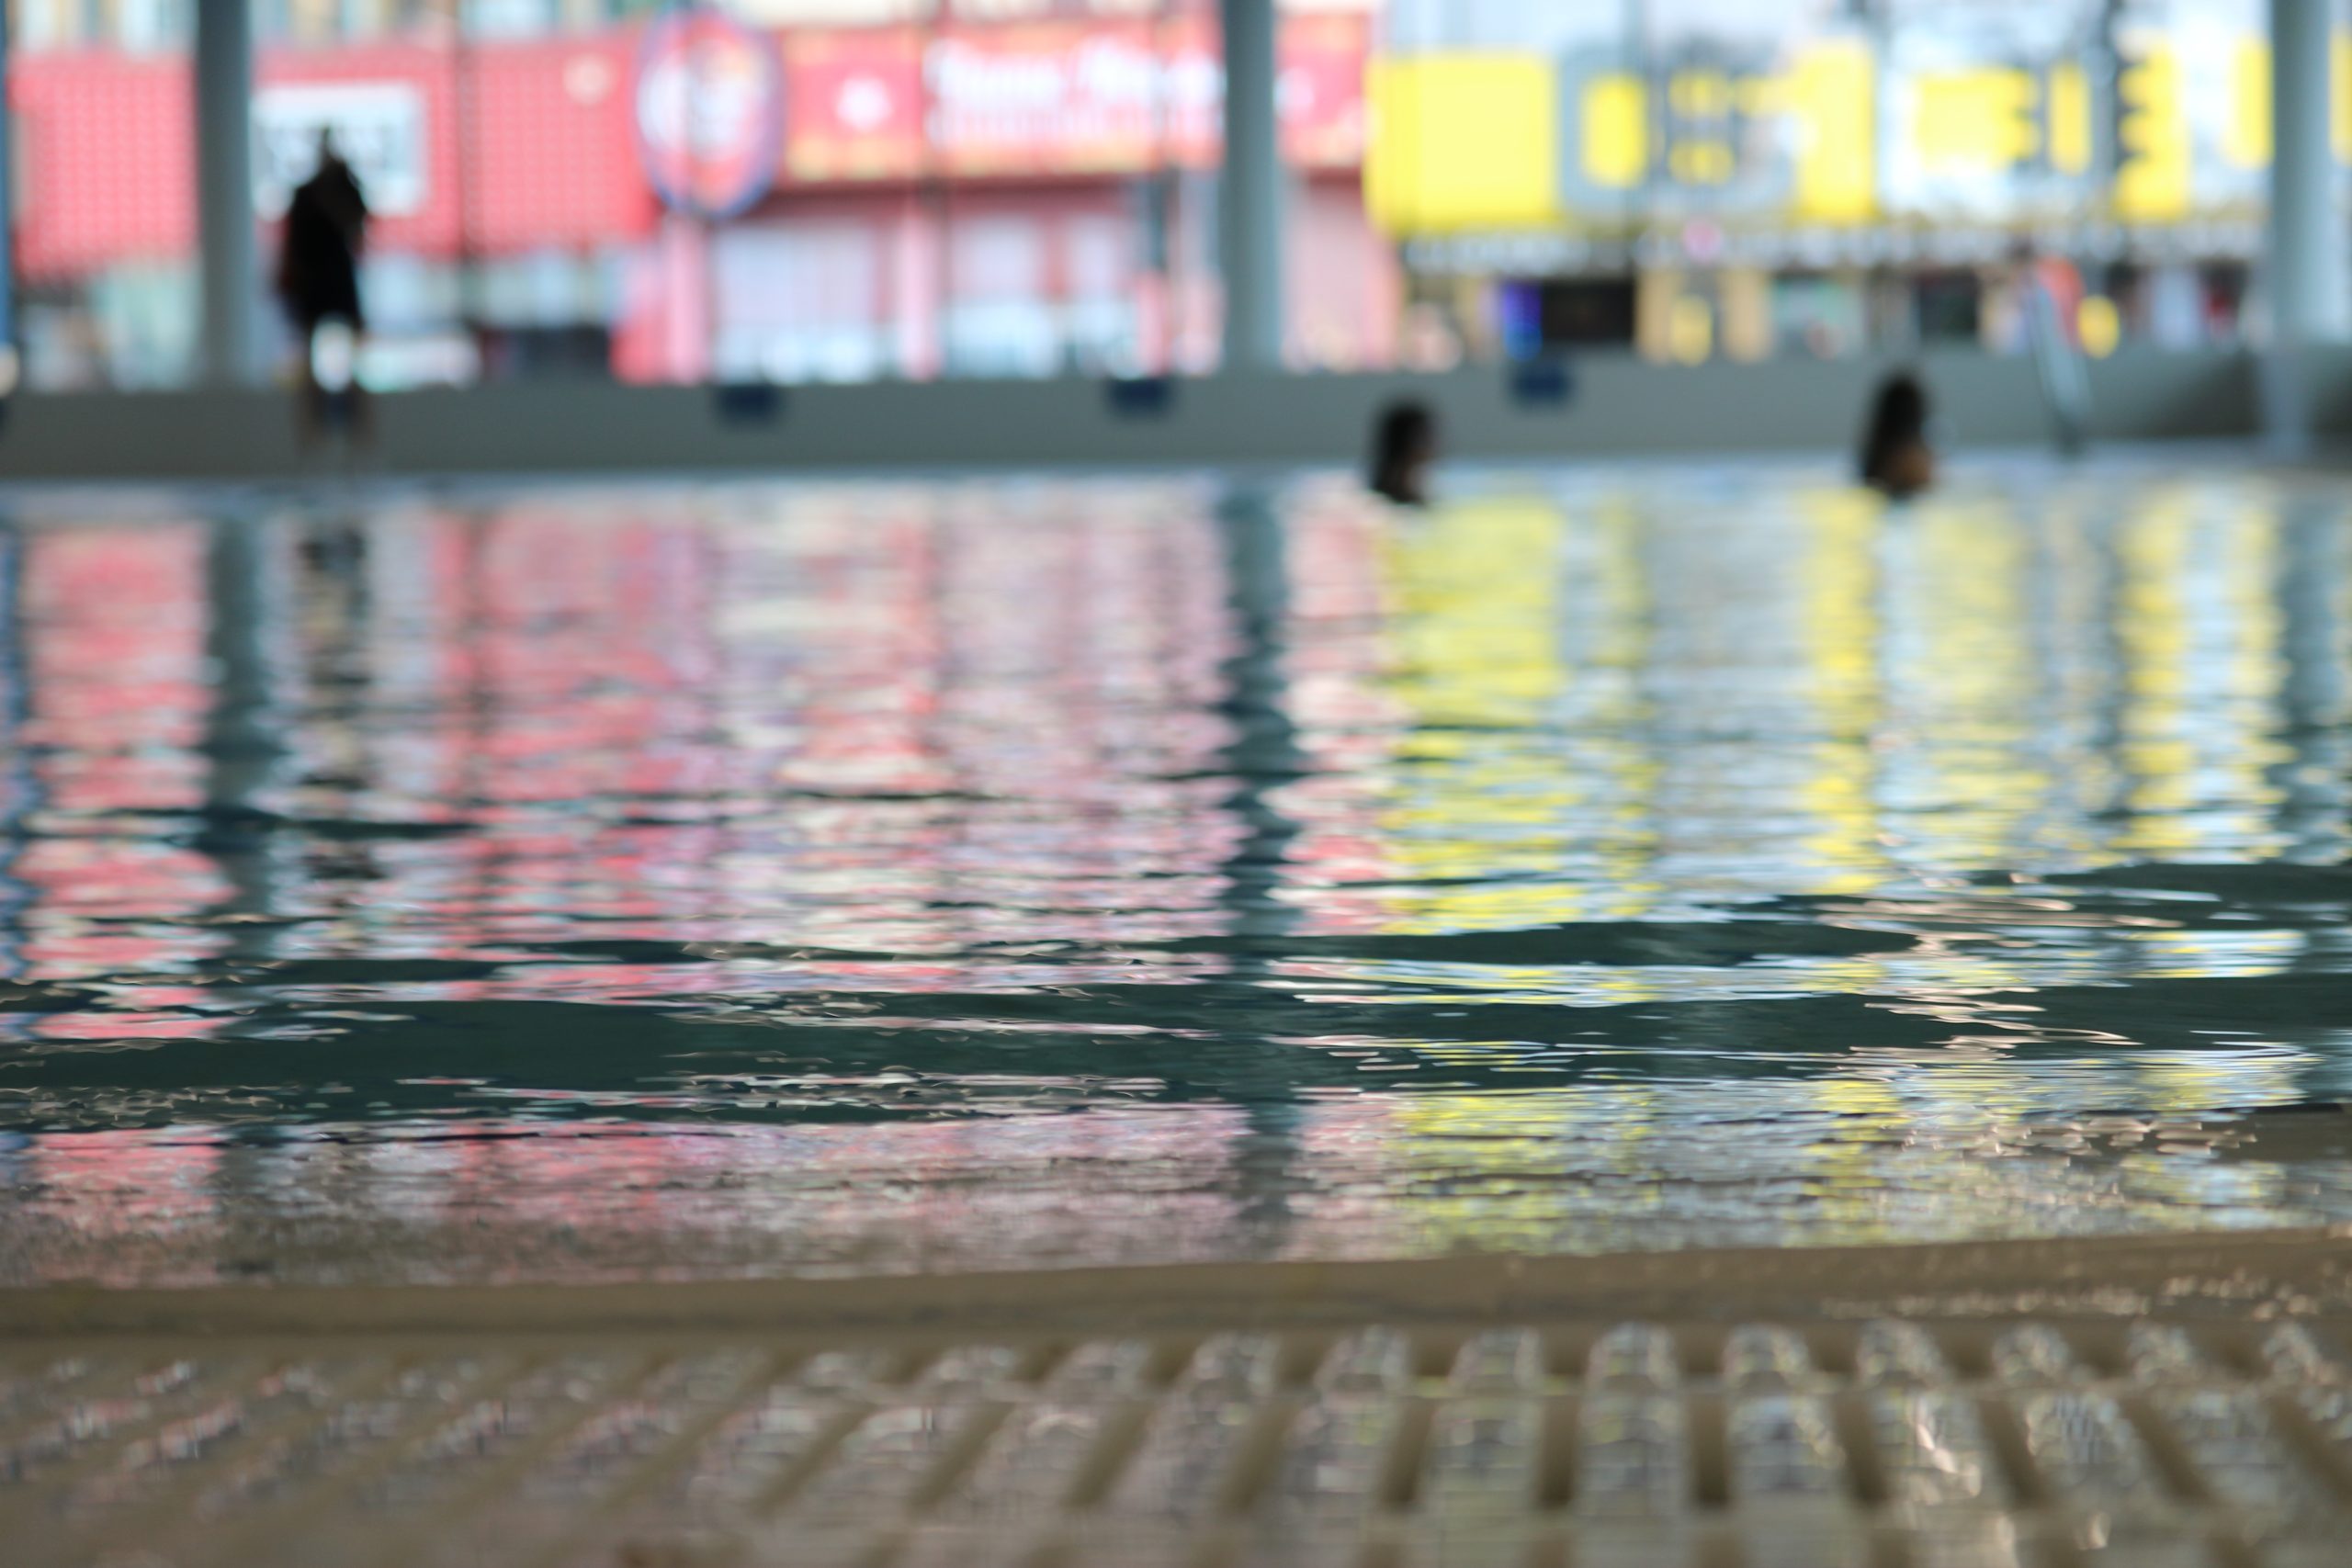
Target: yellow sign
pixel 2339 93
pixel 1615 132
pixel 2070 119
pixel 2152 181
pixel 1833 92
pixel 1702 163
pixel 1470 141
pixel 1699 94
pixel 1975 121
pixel 2245 141
pixel 1463 141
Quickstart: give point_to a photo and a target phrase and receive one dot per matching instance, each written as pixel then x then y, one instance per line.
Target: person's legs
pixel 331 402
pixel 309 397
pixel 359 416
pixel 334 358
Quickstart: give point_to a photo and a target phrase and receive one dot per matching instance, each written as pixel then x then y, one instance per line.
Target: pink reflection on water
pixel 114 623
pixel 504 1201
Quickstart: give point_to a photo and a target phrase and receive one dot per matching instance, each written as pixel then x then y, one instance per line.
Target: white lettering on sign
pixel 379 126
pixel 1106 86
pixel 986 93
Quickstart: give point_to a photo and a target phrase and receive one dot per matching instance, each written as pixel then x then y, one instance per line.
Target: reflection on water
pixel 738 879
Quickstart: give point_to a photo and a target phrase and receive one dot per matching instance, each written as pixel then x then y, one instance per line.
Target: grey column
pixel 224 189
pixel 1251 214
pixel 2303 267
pixel 2307 247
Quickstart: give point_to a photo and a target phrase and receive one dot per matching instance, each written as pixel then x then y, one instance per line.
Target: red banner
pixel 1325 125
pixel 853 106
pixel 106 149
pixel 1054 98
pixel 106 152
pixel 105 161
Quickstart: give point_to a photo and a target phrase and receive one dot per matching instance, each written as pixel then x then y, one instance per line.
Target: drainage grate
pixel 1882 1445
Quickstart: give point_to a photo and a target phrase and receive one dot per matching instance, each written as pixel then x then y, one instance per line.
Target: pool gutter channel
pixel 1886 1444
pixel 2014 1405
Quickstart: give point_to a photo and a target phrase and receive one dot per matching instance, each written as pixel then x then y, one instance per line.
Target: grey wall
pixel 1619 406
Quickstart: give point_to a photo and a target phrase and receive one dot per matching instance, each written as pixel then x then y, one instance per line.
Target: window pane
pixel 102 165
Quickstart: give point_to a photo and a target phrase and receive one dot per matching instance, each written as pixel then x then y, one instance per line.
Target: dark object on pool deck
pixel 742 404
pixel 1404 444
pixel 1897 459
pixel 1549 382
pixel 1140 397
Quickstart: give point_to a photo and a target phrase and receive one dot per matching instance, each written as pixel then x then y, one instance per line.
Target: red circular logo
pixel 709 111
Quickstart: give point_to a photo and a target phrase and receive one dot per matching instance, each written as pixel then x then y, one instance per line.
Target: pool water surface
pixel 733 879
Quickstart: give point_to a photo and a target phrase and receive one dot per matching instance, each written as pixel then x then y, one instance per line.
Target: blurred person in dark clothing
pixel 1404 444
pixel 318 279
pixel 1897 459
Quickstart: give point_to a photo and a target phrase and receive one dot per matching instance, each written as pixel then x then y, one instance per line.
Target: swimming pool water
pixel 736 878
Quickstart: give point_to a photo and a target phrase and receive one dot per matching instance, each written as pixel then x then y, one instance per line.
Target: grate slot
pixel 1483 1460
pixel 2086 1450
pixel 1634 1357
pixel 2237 1451
pixel 1179 1467
pixel 1104 1368
pixel 895 1458
pixel 1762 1360
pixel 1634 1457
pixel 1036 1458
pixel 1931 1449
pixel 1335 1459
pixel 1377 1362
pixel 1501 1362
pixel 1781 1446
pixel 2037 1354
pixel 1899 1354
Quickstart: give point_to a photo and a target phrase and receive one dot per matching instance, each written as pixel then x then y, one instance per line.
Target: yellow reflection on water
pixel 1978 685
pixel 1607 605
pixel 2198 631
pixel 1475 667
pixel 1839 585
